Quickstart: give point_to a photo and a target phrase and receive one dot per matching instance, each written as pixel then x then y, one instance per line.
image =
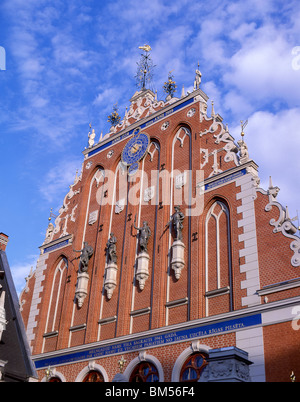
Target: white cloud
pixel 20 270
pixel 56 183
pixel 273 141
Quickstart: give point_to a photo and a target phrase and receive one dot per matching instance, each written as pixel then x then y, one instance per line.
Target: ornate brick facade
pixel 231 280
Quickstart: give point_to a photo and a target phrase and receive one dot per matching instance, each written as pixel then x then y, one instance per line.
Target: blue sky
pixel 68 63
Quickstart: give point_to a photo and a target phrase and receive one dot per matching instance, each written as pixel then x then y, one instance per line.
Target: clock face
pixel 135 149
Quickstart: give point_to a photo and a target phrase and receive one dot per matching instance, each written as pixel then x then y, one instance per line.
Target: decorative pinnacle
pixel 51 215
pixel 145 68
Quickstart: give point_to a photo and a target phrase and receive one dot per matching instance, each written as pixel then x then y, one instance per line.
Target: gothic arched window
pixel 218 288
pixel 144 372
pixel 56 297
pixel 193 367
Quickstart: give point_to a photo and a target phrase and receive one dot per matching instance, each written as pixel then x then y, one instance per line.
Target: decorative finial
pixel 121 364
pixel 212 109
pixel 170 86
pixel 114 118
pixel 243 125
pixel 145 68
pixel 182 92
pixel 51 215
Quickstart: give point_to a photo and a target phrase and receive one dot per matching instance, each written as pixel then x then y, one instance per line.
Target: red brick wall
pixel 282 352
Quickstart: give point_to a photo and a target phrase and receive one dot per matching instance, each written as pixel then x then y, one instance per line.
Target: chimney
pixel 3 241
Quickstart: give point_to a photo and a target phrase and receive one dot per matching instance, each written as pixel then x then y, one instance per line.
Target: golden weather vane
pixel 147 48
pixel 145 68
pixel 243 125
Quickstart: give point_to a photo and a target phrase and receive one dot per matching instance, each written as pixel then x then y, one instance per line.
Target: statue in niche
pixel 177 223
pixel 111 249
pixel 144 234
pixel 86 254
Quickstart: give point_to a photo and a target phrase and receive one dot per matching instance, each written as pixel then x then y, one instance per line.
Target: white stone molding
pixel 180 137
pixel 205 157
pixel 142 272
pixel 26 288
pixel 64 209
pixel 195 346
pixel 230 147
pixel 177 262
pixel 284 223
pixel 99 176
pixel 138 108
pixel 41 266
pixel 3 321
pixel 251 340
pixel 120 205
pixel 81 288
pixel 191 112
pixel 153 147
pixel 93 216
pixel 88 165
pixel 144 356
pixel 92 366
pixel 248 184
pixel 110 281
pixel 72 218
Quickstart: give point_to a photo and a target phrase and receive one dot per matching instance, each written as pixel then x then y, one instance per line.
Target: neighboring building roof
pixel 15 356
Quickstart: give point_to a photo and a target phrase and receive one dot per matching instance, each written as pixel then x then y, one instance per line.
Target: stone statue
pixel 197 81
pixel 86 254
pixel 91 136
pixel 144 234
pixel 244 153
pixel 111 249
pixel 177 223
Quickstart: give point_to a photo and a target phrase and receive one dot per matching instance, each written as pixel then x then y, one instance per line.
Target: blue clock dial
pixel 132 169
pixel 135 149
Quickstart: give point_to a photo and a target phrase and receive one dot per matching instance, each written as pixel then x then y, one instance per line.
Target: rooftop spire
pixel 145 68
